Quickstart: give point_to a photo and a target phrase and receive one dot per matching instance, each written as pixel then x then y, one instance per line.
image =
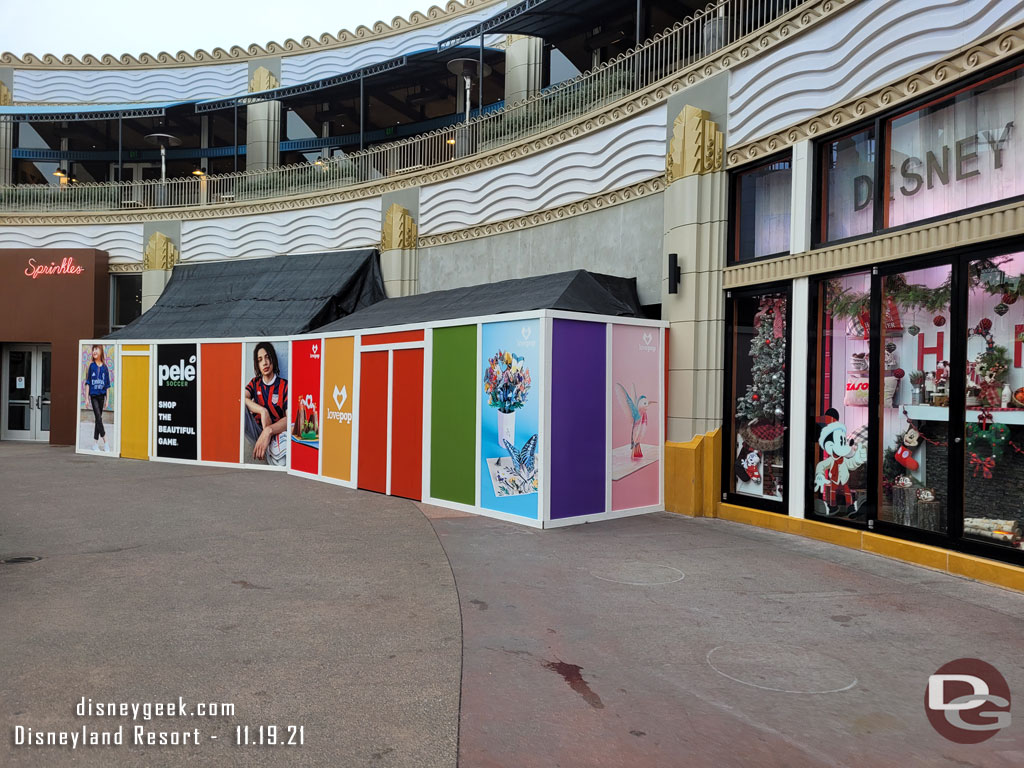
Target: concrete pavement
pixel 298 602
pixel 651 641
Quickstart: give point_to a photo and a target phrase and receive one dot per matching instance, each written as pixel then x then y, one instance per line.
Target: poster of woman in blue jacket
pixel 97 431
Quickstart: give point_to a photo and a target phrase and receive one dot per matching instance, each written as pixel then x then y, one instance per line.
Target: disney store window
pixel 759 363
pixel 994 429
pixel 841 407
pixel 914 420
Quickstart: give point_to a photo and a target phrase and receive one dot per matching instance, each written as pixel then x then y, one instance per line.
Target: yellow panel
pixel 135 348
pixel 1003 574
pixel 909 551
pixel 135 407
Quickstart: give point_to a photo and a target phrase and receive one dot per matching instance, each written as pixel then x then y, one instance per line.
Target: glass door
pixel 914 387
pixel 18 400
pixel 43 394
pixel 993 462
pixel 26 393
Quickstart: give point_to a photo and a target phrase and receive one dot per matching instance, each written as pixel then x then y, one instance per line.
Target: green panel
pixel 453 415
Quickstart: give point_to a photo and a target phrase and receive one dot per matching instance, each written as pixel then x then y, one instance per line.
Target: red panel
pixel 392 338
pixel 373 421
pixel 221 393
pixel 407 424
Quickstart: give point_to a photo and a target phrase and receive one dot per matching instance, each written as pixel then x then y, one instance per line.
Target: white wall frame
pixel 546 320
pixel 798 394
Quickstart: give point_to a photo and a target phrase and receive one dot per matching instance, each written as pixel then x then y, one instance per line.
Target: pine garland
pixel 847 303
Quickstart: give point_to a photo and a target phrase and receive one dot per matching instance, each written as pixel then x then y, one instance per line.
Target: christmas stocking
pixel 905 459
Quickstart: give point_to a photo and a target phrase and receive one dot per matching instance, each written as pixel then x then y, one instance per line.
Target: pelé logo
pixel 178 375
pixel 967 701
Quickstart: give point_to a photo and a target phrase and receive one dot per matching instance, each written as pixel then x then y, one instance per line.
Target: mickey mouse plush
pixel 904 452
pixel 832 473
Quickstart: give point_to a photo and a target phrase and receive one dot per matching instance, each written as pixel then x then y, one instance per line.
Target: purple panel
pixel 578 391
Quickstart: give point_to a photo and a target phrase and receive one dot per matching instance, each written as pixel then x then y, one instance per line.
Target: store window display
pixel 759 379
pixel 841 405
pixel 994 432
pixel 914 421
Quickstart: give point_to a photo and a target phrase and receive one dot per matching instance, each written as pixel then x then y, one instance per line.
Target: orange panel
pixel 373 421
pixel 392 338
pixel 221 395
pixel 339 394
pixel 407 424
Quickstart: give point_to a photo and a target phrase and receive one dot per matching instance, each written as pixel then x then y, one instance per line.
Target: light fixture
pixel 197 171
pixel 450 141
pixel 59 173
pixel 675 273
pixel 163 140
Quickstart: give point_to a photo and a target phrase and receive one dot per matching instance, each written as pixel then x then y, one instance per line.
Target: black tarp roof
pixel 275 296
pixel 575 291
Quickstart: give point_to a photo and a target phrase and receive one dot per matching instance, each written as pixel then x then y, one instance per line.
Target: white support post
pixel 799 363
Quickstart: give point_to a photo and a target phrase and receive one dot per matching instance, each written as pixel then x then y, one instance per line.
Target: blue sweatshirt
pixel 99 379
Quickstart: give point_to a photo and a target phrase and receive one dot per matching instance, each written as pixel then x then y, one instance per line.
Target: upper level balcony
pixel 328 164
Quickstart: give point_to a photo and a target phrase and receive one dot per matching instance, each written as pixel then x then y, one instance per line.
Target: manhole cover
pixel 638 574
pixel 784 669
pixel 19 560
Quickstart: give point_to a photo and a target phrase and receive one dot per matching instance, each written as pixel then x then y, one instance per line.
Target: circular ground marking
pixel 638 574
pixel 19 560
pixel 786 669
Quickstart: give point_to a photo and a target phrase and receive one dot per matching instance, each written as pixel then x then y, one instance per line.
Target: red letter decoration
pixel 922 350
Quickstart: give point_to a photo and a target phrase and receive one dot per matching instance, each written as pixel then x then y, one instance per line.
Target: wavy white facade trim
pixel 308 67
pixel 620 155
pixel 872 43
pixel 122 242
pixel 78 86
pixel 346 225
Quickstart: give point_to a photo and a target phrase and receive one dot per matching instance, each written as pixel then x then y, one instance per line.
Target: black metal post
pixel 236 137
pixel 639 17
pixel 362 109
pixel 480 78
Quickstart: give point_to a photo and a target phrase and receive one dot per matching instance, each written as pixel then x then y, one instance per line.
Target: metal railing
pixel 720 24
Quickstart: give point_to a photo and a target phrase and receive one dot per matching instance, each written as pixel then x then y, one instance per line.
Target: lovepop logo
pixel 340 398
pixel 526 331
pixel 647 346
pixel 178 375
pixel 967 701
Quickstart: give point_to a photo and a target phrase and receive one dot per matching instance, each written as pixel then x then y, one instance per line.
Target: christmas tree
pixel 764 401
